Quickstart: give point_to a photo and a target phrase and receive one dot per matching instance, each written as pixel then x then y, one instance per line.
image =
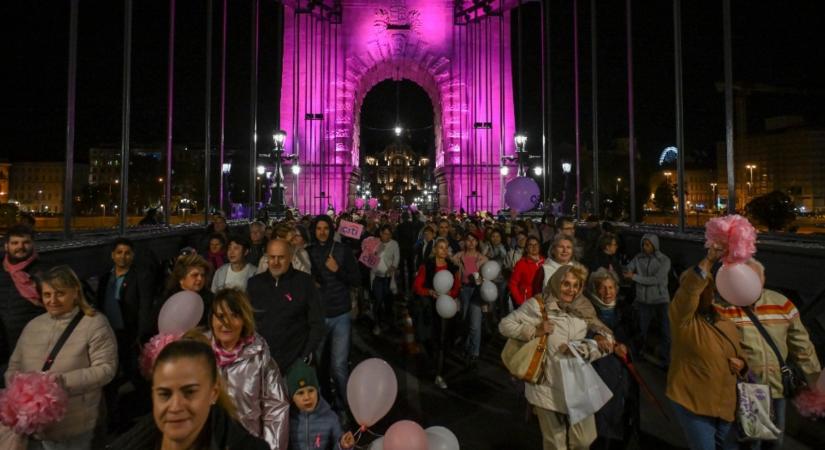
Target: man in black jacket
pixel 124 295
pixel 335 270
pixel 288 310
pixel 19 300
pixel 407 236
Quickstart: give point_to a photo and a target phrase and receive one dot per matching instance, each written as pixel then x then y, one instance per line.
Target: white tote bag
pixel 584 391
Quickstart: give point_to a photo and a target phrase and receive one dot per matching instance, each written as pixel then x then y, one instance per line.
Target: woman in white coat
pixel 381 279
pixel 563 329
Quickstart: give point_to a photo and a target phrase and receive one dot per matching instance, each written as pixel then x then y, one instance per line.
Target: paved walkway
pixel 484 407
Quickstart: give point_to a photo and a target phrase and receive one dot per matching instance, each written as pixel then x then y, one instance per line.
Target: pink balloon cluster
pixel 734 232
pixel 373 202
pixel 31 402
pixel 359 203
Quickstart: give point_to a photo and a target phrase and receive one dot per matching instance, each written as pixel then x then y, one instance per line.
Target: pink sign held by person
pixel 350 229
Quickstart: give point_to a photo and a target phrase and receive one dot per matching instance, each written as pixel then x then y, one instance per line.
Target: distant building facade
pixel 38 186
pixel 784 158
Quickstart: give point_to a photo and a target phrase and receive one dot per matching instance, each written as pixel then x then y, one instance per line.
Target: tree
pixel 664 197
pixel 774 210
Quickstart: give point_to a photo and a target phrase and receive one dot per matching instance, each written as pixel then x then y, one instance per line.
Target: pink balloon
pixel 180 313
pixel 738 284
pixel 359 203
pixel 405 435
pixel 373 202
pixel 371 391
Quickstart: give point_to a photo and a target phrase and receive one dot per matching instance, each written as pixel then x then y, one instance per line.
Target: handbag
pixel 584 390
pixel 793 379
pixel 525 360
pixel 753 412
pixel 61 340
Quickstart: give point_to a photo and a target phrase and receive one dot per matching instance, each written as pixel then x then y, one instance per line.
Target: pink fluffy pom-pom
pixel 31 402
pixel 152 349
pixel 736 233
pixel 811 403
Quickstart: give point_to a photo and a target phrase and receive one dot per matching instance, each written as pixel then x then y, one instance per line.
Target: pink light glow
pixel 330 72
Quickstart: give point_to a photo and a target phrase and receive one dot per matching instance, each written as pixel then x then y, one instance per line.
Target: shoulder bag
pixel 525 360
pixel 61 340
pixel 793 380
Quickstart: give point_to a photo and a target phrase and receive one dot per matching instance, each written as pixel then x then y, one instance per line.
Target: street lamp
pixel 103 209
pixel 276 200
pixel 713 190
pixel 537 171
pixel 667 177
pixel 521 154
pixel 618 183
pixel 504 170
pixel 750 168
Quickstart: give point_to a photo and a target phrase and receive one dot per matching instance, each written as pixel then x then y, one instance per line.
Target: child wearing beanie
pixel 312 423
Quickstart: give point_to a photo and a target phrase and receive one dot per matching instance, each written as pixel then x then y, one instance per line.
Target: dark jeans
pixel 702 432
pixel 655 313
pixel 382 301
pixel 431 331
pixel 337 341
pixel 407 269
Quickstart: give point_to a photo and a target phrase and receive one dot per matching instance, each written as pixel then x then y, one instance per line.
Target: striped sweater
pixel 781 319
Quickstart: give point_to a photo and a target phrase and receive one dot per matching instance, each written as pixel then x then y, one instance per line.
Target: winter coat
pixel 700 378
pixel 300 262
pixel 15 310
pixel 255 384
pixel 314 430
pixel 86 363
pixel 651 272
pixel 335 285
pixel 521 280
pixel 426 273
pixel 289 314
pixel 616 417
pixel 389 256
pixel 136 304
pixel 521 324
pixel 219 279
pixel 781 320
pixel 222 433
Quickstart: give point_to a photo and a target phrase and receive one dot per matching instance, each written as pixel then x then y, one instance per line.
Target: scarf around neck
pixel 22 280
pixel 226 357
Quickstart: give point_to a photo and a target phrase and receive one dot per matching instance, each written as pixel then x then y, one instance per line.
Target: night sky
pixel 776 43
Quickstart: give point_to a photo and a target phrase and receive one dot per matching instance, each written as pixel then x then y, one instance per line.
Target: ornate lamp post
pixel 276 200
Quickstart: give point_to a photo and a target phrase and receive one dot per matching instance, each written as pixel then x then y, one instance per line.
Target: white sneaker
pixel 439 381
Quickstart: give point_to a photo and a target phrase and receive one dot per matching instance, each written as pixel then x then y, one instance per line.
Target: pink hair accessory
pixel 734 232
pixel 152 349
pixel 32 401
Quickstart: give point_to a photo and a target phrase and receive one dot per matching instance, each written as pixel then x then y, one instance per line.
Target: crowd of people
pixel 269 363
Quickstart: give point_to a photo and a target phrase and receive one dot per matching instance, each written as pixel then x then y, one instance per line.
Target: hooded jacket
pixel 334 285
pixel 255 384
pixel 289 314
pixel 650 274
pixel 316 429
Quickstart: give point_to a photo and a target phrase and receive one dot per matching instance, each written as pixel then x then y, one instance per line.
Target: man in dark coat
pixel 335 270
pixel 287 308
pixel 407 236
pixel 19 299
pixel 124 295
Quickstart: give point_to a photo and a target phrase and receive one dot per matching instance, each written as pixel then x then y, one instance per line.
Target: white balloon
pixel 491 270
pixel 440 438
pixel 377 444
pixel 446 306
pixel 443 281
pixel 489 291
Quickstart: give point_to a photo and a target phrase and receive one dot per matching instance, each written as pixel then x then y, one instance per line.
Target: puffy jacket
pixel 86 363
pixel 781 320
pixel 521 325
pixel 521 281
pixel 700 378
pixel 334 285
pixel 289 314
pixel 318 429
pixel 257 389
pixel 651 273
pixel 224 434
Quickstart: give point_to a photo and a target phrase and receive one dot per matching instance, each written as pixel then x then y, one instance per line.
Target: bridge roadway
pixel 484 408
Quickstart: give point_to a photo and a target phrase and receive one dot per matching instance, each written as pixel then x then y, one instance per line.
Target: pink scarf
pixel 216 259
pixel 22 281
pixel 227 357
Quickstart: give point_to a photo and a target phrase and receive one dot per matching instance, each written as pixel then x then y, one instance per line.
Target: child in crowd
pixel 312 424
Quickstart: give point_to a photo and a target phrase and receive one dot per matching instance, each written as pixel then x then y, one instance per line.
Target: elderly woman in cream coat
pixel 562 328
pixel 86 362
